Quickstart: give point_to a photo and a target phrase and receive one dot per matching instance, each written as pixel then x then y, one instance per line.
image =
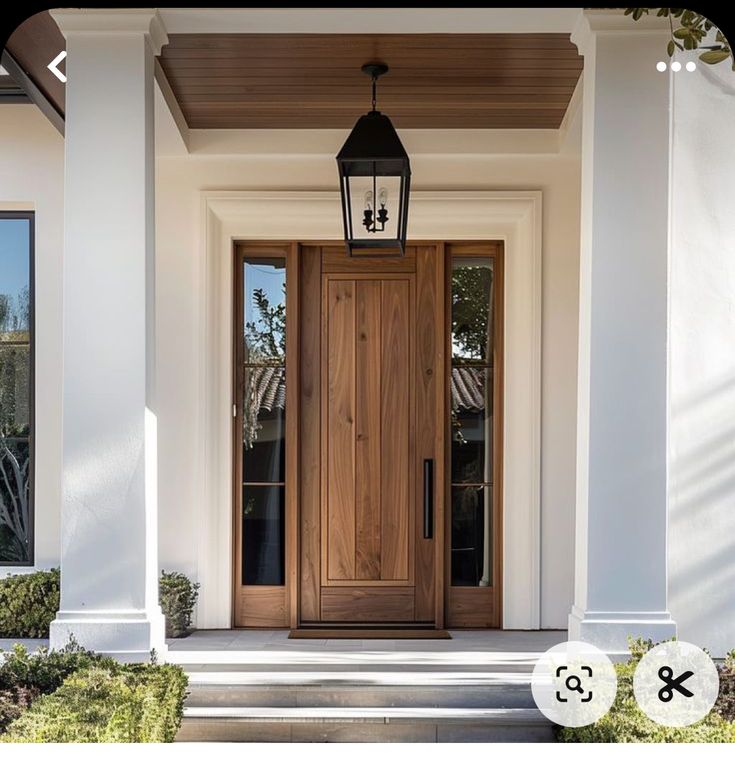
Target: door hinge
pixel 234 410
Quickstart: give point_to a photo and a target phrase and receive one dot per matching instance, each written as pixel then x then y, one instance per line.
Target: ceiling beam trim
pixel 320 143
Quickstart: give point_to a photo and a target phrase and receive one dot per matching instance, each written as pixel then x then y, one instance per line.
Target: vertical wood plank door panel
pixel 340 430
pixel 310 432
pixel 395 423
pixel 368 438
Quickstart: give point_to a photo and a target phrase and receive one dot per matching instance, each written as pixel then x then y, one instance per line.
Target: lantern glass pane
pixel 375 195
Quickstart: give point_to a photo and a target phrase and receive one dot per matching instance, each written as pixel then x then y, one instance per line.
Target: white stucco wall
pixel 31 178
pixel 702 367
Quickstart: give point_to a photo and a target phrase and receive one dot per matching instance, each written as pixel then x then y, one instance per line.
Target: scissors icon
pixel 666 675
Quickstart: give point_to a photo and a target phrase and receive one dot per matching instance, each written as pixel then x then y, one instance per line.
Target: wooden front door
pixel 374 371
pixel 367 436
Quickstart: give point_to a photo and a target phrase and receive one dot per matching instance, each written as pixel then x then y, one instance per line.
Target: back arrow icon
pixel 54 63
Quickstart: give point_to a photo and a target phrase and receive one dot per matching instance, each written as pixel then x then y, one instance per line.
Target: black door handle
pixel 428 498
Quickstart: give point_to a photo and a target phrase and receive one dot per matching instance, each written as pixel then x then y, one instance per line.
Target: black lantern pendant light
pixel 375 176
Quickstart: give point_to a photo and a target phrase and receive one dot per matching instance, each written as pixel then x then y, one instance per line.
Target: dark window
pixel 264 421
pixel 16 388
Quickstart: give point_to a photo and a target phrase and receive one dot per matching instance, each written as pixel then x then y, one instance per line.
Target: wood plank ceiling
pixel 313 81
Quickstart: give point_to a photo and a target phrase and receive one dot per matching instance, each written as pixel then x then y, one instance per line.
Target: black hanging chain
pixel 375 82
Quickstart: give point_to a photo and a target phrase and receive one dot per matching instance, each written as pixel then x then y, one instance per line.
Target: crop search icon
pixel 573 683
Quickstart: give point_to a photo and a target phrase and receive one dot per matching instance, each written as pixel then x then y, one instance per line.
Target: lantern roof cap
pixel 373 138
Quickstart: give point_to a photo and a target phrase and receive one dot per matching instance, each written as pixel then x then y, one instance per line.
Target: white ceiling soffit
pixel 368 20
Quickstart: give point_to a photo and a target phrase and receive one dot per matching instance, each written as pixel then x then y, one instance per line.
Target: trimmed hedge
pixel 625 722
pixel 28 603
pixel 107 703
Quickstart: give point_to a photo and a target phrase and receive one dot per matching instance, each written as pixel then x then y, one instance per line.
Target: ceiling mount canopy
pixel 375 176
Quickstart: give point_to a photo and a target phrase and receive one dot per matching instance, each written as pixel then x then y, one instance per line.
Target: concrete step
pixel 359 689
pixel 316 660
pixel 349 724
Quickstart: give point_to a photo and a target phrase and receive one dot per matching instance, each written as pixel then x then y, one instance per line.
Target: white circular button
pixel 574 684
pixel 676 684
pixel 661 66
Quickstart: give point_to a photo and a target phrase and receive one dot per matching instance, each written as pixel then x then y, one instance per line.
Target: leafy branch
pixel 265 337
pixel 691 31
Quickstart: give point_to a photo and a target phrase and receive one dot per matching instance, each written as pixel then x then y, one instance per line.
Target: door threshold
pixel 369 634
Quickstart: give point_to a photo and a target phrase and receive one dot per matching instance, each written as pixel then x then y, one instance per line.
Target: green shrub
pixel 45 670
pixel 625 722
pixel 25 677
pixel 178 596
pixel 13 702
pixel 28 603
pixel 111 703
pixel 725 704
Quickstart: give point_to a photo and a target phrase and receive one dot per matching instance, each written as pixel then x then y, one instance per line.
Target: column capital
pixel 593 22
pixel 146 21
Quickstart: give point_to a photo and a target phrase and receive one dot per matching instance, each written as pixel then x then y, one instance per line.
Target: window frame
pixel 30 216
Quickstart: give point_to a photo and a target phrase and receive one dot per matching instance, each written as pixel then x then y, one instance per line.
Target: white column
pixel 621 519
pixel 109 561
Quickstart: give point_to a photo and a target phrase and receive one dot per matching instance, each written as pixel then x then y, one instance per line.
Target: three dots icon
pixel 676 66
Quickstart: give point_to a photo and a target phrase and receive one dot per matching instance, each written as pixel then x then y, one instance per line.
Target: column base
pixel 609 631
pixel 128 636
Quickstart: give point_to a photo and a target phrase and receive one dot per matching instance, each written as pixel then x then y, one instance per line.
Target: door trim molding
pixel 512 216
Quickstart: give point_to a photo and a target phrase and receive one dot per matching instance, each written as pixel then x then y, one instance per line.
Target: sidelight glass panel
pixel 263 405
pixel 472 557
pixel 472 420
pixel 263 533
pixel 265 311
pixel 16 511
pixel 264 424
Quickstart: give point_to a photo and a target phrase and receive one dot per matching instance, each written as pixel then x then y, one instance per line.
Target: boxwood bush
pixel 25 677
pixel 45 670
pixel 625 722
pixel 72 695
pixel 121 703
pixel 178 596
pixel 28 603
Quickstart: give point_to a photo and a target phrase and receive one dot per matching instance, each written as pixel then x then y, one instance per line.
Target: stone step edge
pixel 498 716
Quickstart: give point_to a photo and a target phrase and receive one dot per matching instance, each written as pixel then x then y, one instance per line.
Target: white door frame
pixel 512 216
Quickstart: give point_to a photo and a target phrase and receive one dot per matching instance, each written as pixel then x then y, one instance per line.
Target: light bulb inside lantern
pixel 369 200
pixel 383 196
